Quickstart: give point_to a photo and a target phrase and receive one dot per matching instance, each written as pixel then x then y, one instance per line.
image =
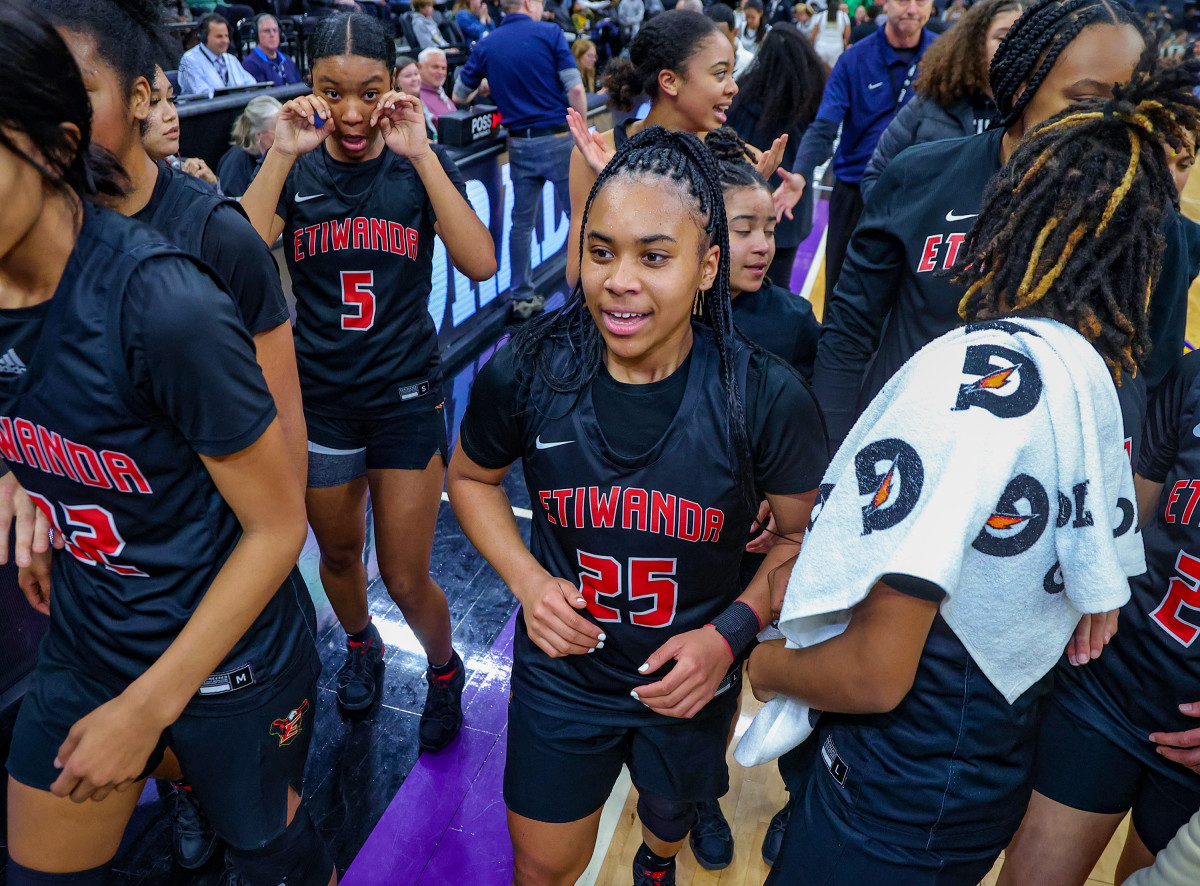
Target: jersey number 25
pixel 650 580
pixel 357 294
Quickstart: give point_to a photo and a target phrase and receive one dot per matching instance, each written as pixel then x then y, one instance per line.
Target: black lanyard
pixel 224 77
pixel 908 79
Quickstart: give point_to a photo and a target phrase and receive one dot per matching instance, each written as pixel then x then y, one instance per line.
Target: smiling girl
pixel 644 423
pixel 359 193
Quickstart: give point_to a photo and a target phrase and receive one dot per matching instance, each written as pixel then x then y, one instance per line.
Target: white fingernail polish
pixel 633 692
pixel 602 637
pixel 644 668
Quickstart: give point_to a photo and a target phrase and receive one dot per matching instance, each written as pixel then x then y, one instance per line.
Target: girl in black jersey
pixel 117 45
pixel 358 191
pixel 133 412
pixel 684 63
pixel 921 766
pixel 644 424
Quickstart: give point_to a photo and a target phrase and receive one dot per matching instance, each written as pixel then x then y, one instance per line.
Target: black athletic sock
pixel 651 863
pixel 448 668
pixel 361 636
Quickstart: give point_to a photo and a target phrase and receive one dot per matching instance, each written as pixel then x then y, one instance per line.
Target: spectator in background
pixel 160 134
pixel 954 97
pixel 209 65
pixel 869 25
pixel 266 62
pixel 831 34
pixel 630 14
pixel 426 29
pixel 584 51
pixel 802 18
pixel 431 62
pixel 779 11
pixel 691 6
pixel 727 25
pixel 869 84
pixel 954 11
pixel 755 28
pixel 533 79
pixel 408 80
pixel 473 19
pixel 252 136
pixel 176 11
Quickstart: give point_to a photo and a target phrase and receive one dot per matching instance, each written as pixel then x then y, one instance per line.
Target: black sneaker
pixel 774 838
pixel 645 877
pixel 192 840
pixel 361 677
pixel 231 877
pixel 710 838
pixel 442 716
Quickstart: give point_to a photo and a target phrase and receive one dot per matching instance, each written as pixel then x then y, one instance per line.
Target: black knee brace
pixel 669 820
pixel 297 857
pixel 23 876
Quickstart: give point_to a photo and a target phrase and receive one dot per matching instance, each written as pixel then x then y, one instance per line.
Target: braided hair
pixel 1026 56
pixel 683 161
pixel 1071 227
pixel 352 33
pixel 735 163
pixel 128 34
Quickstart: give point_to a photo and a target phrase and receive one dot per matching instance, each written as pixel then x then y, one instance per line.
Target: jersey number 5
pixel 89 533
pixel 600 579
pixel 357 294
pixel 1181 592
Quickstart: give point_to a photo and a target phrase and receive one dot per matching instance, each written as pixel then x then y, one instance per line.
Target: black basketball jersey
pixel 215 230
pixel 1152 664
pixel 653 541
pixel 359 242
pixel 138 364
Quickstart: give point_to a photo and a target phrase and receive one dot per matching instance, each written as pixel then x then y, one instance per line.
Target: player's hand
pixel 788 194
pixel 296 131
pixel 197 167
pixel 553 621
pixel 768 161
pixel 402 122
pixel 595 150
pixel 777 581
pixel 105 751
pixel 1181 747
pixel 1091 636
pixel 702 659
pixel 34 581
pixel 755 664
pixel 33 529
pixel 763 542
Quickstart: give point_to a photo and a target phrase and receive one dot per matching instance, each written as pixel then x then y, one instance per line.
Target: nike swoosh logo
pixel 951 217
pixel 874 85
pixel 305 199
pixel 540 445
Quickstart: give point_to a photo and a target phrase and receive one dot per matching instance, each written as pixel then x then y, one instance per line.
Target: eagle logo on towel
pixel 1019 520
pixel 891 473
pixel 1006 383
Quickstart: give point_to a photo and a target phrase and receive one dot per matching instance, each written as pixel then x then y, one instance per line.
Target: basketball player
pixel 141 426
pixel 358 191
pixel 644 424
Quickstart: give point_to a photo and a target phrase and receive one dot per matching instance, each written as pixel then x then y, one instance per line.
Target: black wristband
pixel 738 626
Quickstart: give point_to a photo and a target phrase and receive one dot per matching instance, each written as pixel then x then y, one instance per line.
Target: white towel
pixel 993 465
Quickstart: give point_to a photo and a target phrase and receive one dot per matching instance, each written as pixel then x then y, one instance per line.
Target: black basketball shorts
pixel 560 769
pixel 343 449
pixel 1081 767
pixel 238 758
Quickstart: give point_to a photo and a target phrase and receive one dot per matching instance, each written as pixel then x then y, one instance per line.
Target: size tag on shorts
pixel 412 392
pixel 836 765
pixel 229 681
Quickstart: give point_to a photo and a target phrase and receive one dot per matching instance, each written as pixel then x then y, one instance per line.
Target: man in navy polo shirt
pixel 871 81
pixel 266 62
pixel 533 78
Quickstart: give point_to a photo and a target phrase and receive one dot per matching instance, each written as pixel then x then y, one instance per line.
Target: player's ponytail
pixel 683 162
pixel 40 90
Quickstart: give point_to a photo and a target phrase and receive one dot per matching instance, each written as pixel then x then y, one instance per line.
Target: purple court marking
pixel 806 253
pixel 446 824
